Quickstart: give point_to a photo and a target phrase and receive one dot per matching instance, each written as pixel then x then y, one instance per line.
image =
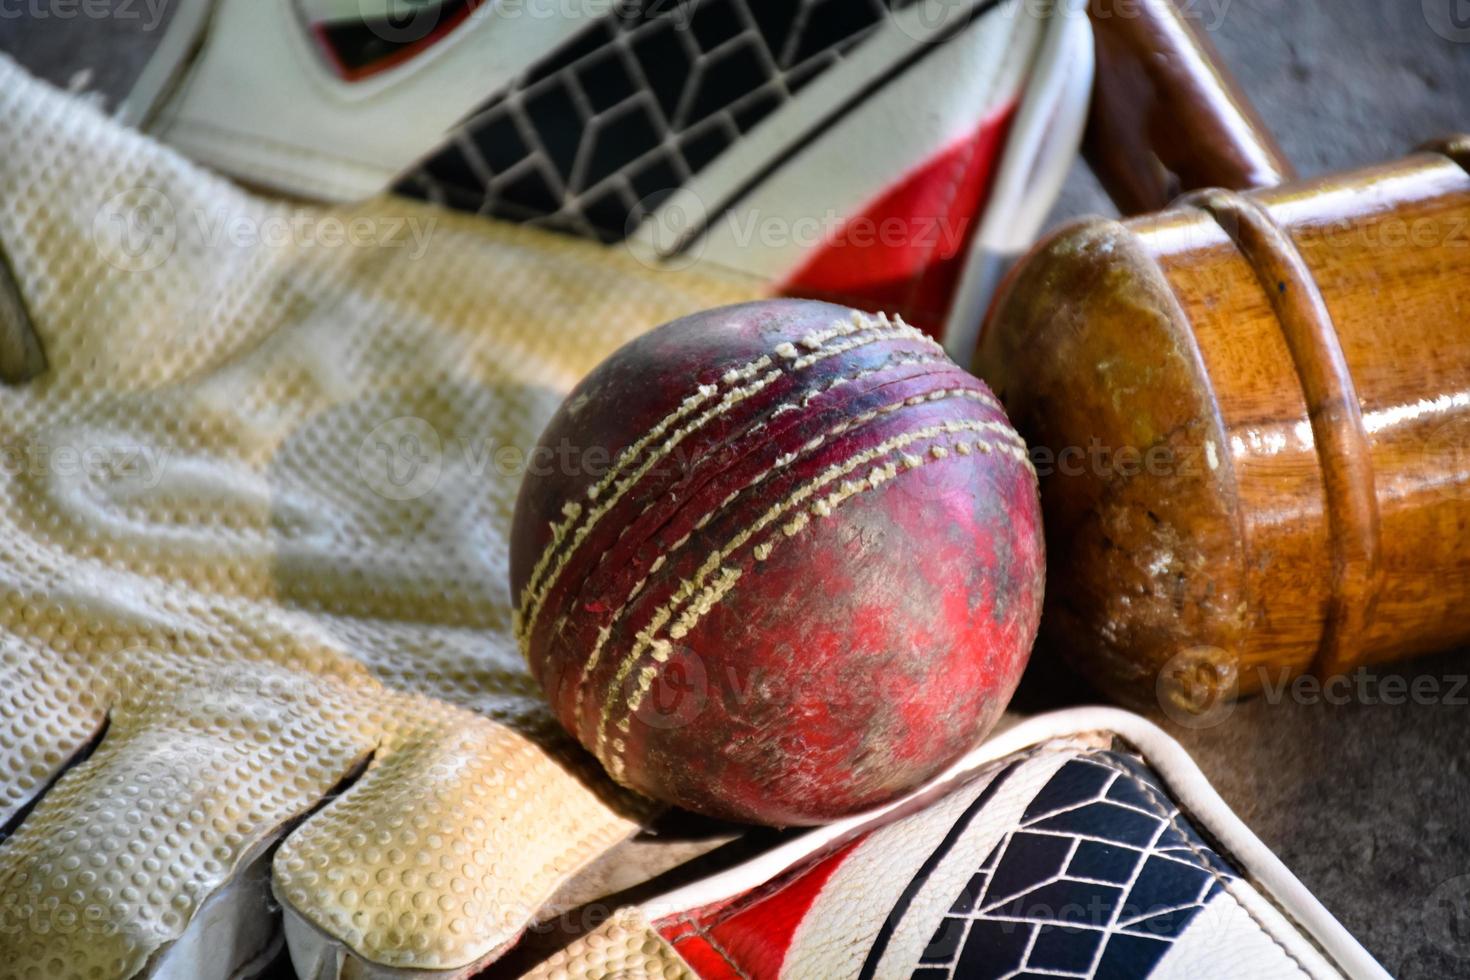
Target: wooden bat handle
pixel 1295 362
pixel 1166 115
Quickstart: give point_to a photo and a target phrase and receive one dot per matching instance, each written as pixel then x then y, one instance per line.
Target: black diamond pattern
pixel 1100 877
pixel 635 105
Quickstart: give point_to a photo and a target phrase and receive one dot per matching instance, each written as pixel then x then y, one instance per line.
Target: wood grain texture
pixel 1304 355
pixel 1349 503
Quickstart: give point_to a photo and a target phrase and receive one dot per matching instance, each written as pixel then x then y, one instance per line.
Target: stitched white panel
pixel 836 934
pixel 1225 942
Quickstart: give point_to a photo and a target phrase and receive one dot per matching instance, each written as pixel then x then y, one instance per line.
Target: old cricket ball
pixel 778 562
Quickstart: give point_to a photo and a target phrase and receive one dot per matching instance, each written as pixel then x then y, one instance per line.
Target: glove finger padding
pixel 443 851
pixel 253 523
pixel 199 769
pixel 48 715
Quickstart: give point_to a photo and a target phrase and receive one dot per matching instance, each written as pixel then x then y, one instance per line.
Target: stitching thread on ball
pixel 847 425
pixel 784 460
pixel 713 593
pixel 857 323
pixel 898 359
pixel 534 595
pixel 573 511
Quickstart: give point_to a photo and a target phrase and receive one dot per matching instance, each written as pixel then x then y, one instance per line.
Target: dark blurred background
pixel 1368 802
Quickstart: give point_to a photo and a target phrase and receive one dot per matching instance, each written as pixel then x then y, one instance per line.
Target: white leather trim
pixel 1296 946
pixel 849 165
pixel 831 912
pixel 168 62
pixel 1226 942
pixel 1194 794
pixel 1186 783
pixel 821 839
pixel 259 101
pixel 1047 133
pixel 1044 140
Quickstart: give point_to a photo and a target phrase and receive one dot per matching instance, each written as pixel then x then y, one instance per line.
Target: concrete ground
pixel 1368 802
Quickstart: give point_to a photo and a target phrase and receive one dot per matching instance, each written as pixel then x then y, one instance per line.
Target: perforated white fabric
pixel 625 946
pixel 253 522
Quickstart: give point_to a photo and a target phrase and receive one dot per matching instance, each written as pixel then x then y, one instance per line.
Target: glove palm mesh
pixel 253 525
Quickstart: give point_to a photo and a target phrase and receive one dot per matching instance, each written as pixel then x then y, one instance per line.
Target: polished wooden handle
pixel 1251 419
pixel 1166 115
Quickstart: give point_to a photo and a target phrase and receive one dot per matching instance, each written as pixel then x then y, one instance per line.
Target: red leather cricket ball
pixel 778 562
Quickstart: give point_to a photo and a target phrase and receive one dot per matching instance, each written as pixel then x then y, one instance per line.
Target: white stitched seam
pixel 1173 819
pixel 700 601
pixel 533 600
pixel 785 460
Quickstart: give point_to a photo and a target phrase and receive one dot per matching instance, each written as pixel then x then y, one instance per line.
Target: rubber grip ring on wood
pixel 1334 411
